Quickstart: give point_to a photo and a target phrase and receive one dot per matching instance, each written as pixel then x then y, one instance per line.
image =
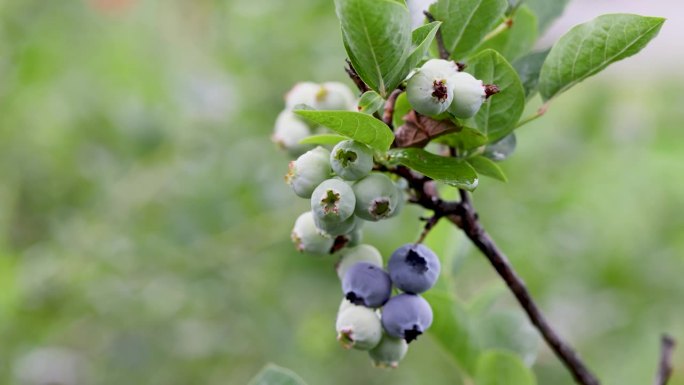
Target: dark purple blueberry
pixel 414 268
pixel 366 284
pixel 406 316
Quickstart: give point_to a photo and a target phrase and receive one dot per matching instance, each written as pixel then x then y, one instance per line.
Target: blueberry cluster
pixel 369 317
pixel 343 193
pixel 439 86
pixel 290 129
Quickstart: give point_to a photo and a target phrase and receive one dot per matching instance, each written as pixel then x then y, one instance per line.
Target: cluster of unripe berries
pixel 440 86
pixel 369 317
pixel 290 129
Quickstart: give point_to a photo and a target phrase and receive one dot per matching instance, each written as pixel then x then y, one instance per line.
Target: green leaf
pixel 546 11
pixel 451 171
pixel 590 47
pixel 508 330
pixel 466 139
pixel 401 108
pixel 452 329
pixel 487 167
pixel 502 368
pixel 518 39
pixel 466 22
pixel 377 37
pixel 500 114
pixel 355 125
pixel 323 139
pixel 275 375
pixel 370 102
pixel 528 68
pixel 422 38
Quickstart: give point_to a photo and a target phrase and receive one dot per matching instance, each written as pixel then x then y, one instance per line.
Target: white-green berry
pixel 430 89
pixel 469 94
pixel 376 197
pixel 351 160
pixel 302 93
pixel 335 96
pixel 333 201
pixel 289 130
pixel 308 171
pixel 334 228
pixel 307 238
pixel 389 352
pixel 358 327
pixel 360 253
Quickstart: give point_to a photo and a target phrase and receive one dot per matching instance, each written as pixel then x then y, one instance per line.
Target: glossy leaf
pixel 501 149
pixel 518 39
pixel 487 167
pixel 467 139
pixel 466 22
pixel 355 125
pixel 377 37
pixel 275 375
pixel 502 368
pixel 508 330
pixel 547 11
pixel 422 38
pixel 323 139
pixel 590 47
pixel 401 108
pixel 370 102
pixel 499 115
pixel 451 171
pixel 528 68
pixel 451 328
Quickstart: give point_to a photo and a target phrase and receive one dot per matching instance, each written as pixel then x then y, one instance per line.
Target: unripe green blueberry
pixel 302 93
pixel 335 96
pixel 351 160
pixel 289 130
pixel 308 171
pixel 376 197
pixel 430 89
pixel 360 253
pixel 307 238
pixel 333 201
pixel 334 228
pixel 358 327
pixel 469 94
pixel 389 352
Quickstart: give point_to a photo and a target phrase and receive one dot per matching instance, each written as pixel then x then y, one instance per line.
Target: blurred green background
pixel 144 224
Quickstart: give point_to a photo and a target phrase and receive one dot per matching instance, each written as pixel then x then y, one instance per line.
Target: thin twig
pixel 355 77
pixel 540 112
pixel 389 107
pixel 443 53
pixel 463 215
pixel 667 345
pixel 430 223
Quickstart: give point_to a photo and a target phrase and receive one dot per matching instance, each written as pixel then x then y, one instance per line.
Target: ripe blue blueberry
pixel 358 327
pixel 376 197
pixel 414 268
pixel 307 238
pixel 351 160
pixel 349 256
pixel 366 284
pixel 389 352
pixel 406 316
pixel 308 171
pixel 333 201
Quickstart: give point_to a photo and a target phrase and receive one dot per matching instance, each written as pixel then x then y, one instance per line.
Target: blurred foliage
pixel 144 228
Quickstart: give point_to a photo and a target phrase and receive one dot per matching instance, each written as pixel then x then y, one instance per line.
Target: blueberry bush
pixel 442 87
